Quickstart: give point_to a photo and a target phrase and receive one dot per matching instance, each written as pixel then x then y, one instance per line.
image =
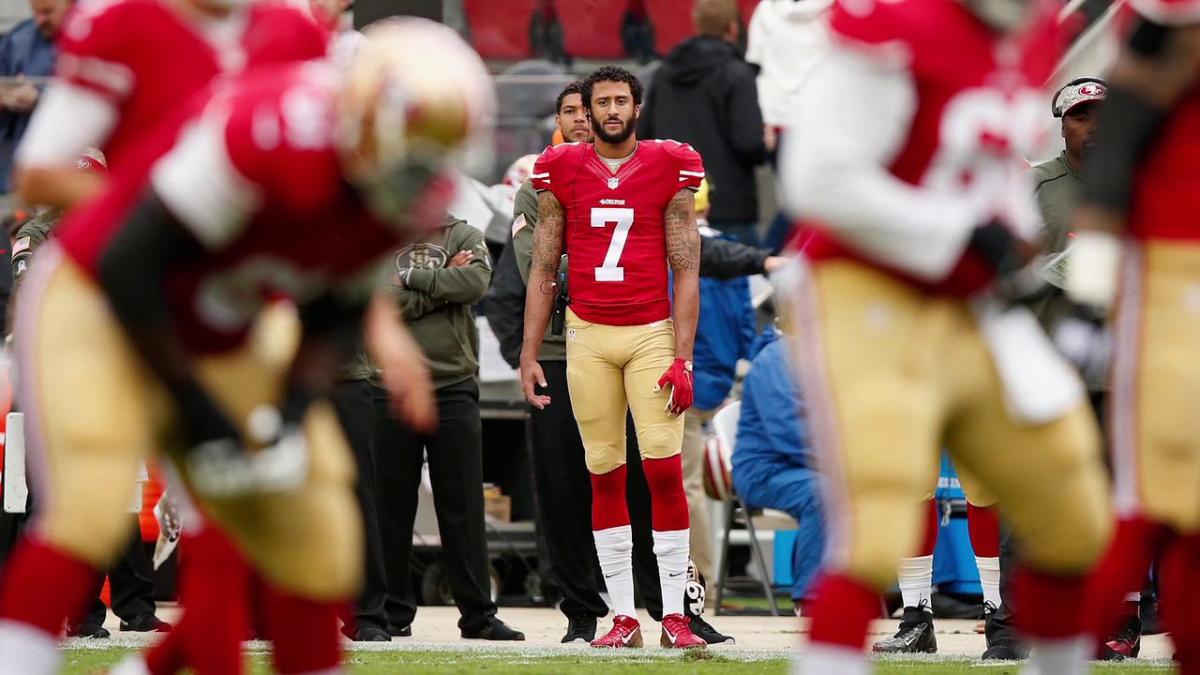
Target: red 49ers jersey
pixel 1165 202
pixel 615 237
pixel 976 112
pixel 146 58
pixel 257 181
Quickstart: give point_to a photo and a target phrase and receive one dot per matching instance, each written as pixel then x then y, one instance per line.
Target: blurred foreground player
pixel 624 212
pixel 147 306
pixel 115 92
pixel 906 169
pixel 1140 208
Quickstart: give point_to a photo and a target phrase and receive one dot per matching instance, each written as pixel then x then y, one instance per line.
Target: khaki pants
pixel 891 375
pixel 611 368
pixel 94 414
pixel 1156 386
pixel 693 482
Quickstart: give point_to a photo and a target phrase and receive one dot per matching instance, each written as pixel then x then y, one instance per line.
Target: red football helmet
pixel 718 467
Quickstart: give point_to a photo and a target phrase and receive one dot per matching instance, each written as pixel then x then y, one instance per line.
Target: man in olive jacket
pixel 435 283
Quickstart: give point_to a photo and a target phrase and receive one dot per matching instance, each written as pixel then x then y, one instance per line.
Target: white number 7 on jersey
pixel 601 217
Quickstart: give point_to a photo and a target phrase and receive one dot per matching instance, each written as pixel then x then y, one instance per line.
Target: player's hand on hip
pixel 679 378
pixel 532 377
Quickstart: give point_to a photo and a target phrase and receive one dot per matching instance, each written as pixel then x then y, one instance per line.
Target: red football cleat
pixel 626 632
pixel 677 633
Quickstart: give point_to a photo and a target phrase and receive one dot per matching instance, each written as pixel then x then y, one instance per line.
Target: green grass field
pixel 500 663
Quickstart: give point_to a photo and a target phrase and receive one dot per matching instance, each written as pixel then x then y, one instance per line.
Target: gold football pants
pixel 891 376
pixel 1156 385
pixel 614 368
pixel 95 414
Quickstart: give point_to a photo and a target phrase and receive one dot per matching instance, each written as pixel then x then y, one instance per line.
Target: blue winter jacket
pixel 724 334
pixel 772 432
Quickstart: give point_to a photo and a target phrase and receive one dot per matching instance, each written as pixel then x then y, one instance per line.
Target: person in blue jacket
pixel 772 461
pixel 726 330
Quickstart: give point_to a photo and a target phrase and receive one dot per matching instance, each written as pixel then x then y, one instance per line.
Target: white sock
pixel 671 549
pixel 989 578
pixel 25 650
pixel 614 548
pixel 916 581
pixel 1060 657
pixel 823 659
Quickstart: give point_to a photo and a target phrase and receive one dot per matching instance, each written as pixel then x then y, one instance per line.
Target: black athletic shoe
pixel 495 630
pixel 402 631
pixel 1126 644
pixel 580 629
pixel 706 632
pixel 89 630
pixel 369 632
pixel 146 623
pixel 1006 650
pixel 914 637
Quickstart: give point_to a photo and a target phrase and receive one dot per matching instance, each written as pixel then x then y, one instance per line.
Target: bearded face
pixel 613 112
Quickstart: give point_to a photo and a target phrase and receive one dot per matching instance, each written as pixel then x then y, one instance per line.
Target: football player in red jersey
pixel 906 169
pixel 624 212
pixel 115 84
pixel 113 90
pixel 137 327
pixel 1139 211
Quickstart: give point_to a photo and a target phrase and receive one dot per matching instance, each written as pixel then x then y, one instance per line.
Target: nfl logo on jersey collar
pixel 613 183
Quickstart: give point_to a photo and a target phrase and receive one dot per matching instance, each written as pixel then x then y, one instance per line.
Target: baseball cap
pixel 1082 90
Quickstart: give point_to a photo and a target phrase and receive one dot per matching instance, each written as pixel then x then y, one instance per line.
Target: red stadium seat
pixel 500 30
pixel 672 20
pixel 592 28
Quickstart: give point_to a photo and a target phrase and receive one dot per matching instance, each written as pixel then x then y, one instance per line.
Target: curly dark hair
pixel 575 87
pixel 611 74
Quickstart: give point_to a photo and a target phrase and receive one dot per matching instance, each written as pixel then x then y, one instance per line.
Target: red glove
pixel 679 378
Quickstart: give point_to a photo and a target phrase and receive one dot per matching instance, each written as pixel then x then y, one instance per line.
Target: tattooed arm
pixel 683 254
pixel 540 293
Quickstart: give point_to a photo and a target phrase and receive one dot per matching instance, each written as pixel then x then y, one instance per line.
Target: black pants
pixel 131 584
pixel 356 412
pixel 455 454
pixel 564 491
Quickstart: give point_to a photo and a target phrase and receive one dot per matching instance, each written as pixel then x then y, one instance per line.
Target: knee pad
pixel 660 439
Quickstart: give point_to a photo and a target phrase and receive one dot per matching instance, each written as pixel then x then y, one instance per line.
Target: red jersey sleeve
pixel 544 169
pixel 94 47
pixel 293 30
pixel 865 21
pixel 690 170
pixel 283 143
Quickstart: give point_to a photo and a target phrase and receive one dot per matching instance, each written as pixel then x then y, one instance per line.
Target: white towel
pixel 1039 384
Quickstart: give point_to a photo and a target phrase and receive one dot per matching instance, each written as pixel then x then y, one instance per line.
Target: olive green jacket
pixel 435 301
pixel 1057 185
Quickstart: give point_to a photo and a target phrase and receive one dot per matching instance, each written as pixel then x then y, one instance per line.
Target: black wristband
pixel 1128 126
pixel 296 400
pixel 201 418
pixel 996 244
